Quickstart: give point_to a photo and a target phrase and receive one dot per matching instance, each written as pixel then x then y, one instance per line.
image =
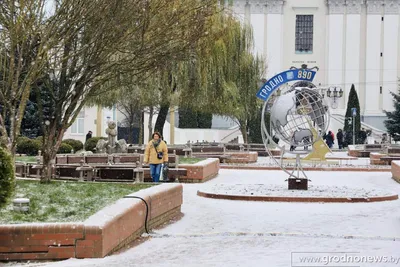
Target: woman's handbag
pixel 159 154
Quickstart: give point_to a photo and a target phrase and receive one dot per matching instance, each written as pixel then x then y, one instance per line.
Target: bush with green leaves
pixel 28 146
pixel 7 179
pixel 91 143
pixel 64 148
pixel 76 144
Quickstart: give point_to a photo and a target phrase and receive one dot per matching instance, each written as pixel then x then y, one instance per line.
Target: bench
pixel 125 172
pixel 373 147
pixel 21 169
pixel 173 174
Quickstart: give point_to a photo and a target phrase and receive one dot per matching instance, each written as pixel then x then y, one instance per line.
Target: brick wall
pixel 201 171
pixel 104 232
pixel 396 170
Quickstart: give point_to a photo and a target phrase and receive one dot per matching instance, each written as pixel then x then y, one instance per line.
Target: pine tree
pixel 393 122
pixel 348 125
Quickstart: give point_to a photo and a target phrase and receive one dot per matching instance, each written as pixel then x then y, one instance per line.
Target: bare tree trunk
pixel 141 128
pixel 243 130
pixel 161 118
pixel 130 131
pixel 50 147
pixel 150 124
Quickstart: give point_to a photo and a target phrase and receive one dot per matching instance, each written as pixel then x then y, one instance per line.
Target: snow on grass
pixel 183 160
pixel 64 201
pixel 26 159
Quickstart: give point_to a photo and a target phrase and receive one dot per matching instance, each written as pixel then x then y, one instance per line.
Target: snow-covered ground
pixel 243 233
pixel 282 191
pixel 335 159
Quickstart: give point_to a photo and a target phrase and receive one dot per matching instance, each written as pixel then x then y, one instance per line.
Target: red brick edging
pixel 396 170
pixel 104 232
pixel 306 168
pixel 201 171
pixel 296 199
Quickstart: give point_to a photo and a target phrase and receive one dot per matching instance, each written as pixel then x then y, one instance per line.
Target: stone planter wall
pixel 201 171
pixel 104 232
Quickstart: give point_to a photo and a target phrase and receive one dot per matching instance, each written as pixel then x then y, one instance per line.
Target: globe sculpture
pixel 297 115
pixel 299 118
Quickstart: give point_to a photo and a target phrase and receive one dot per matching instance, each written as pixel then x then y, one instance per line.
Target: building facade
pixel 93 119
pixel 350 41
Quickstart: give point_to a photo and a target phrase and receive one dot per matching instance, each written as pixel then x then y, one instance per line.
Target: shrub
pixel 7 179
pixel 91 143
pixel 64 148
pixel 28 146
pixel 76 144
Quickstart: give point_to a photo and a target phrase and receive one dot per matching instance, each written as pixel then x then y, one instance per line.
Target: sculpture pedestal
pixel 298 184
pixel 298 181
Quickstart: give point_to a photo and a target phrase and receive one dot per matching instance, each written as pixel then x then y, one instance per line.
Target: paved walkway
pixel 238 233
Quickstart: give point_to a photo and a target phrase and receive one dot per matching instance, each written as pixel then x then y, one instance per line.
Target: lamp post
pixel 334 93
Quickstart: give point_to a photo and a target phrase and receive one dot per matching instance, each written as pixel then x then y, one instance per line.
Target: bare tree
pixel 27 38
pixel 115 38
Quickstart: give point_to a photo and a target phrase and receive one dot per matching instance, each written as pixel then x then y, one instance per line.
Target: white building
pixel 351 41
pixel 91 119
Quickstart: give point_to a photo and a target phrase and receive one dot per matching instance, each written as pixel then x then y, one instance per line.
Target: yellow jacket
pixel 150 154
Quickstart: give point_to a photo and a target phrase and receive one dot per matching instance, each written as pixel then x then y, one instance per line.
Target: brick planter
pixel 375 159
pixel 201 171
pixel 242 157
pixel 359 153
pixel 101 234
pixel 396 170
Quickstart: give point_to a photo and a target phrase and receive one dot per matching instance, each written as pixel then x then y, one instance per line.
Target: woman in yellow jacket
pixel 156 154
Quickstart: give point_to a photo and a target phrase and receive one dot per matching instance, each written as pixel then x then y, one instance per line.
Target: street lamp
pixel 334 93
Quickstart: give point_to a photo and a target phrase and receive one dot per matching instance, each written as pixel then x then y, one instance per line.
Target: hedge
pixel 76 144
pixel 7 179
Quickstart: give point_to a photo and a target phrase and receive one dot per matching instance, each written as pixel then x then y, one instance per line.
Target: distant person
pixel 339 137
pixel 363 135
pixel 329 139
pixel 384 138
pixel 156 154
pixel 88 135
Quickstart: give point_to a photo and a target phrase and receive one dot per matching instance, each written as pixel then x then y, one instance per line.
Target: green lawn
pixel 183 160
pixel 65 201
pixel 26 159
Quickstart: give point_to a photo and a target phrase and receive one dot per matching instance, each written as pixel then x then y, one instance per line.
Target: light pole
pixel 334 93
pixel 354 114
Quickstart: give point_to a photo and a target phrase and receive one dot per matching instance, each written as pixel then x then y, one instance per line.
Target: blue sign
pixel 354 111
pixel 284 77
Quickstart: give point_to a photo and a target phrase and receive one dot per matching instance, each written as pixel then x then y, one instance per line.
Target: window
pixel 304 34
pixel 78 126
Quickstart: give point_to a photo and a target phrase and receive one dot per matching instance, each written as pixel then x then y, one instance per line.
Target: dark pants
pixel 340 144
pixel 155 170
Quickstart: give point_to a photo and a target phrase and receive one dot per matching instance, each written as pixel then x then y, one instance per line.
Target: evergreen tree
pixel 393 122
pixel 204 120
pixel 187 118
pixel 255 136
pixel 348 125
